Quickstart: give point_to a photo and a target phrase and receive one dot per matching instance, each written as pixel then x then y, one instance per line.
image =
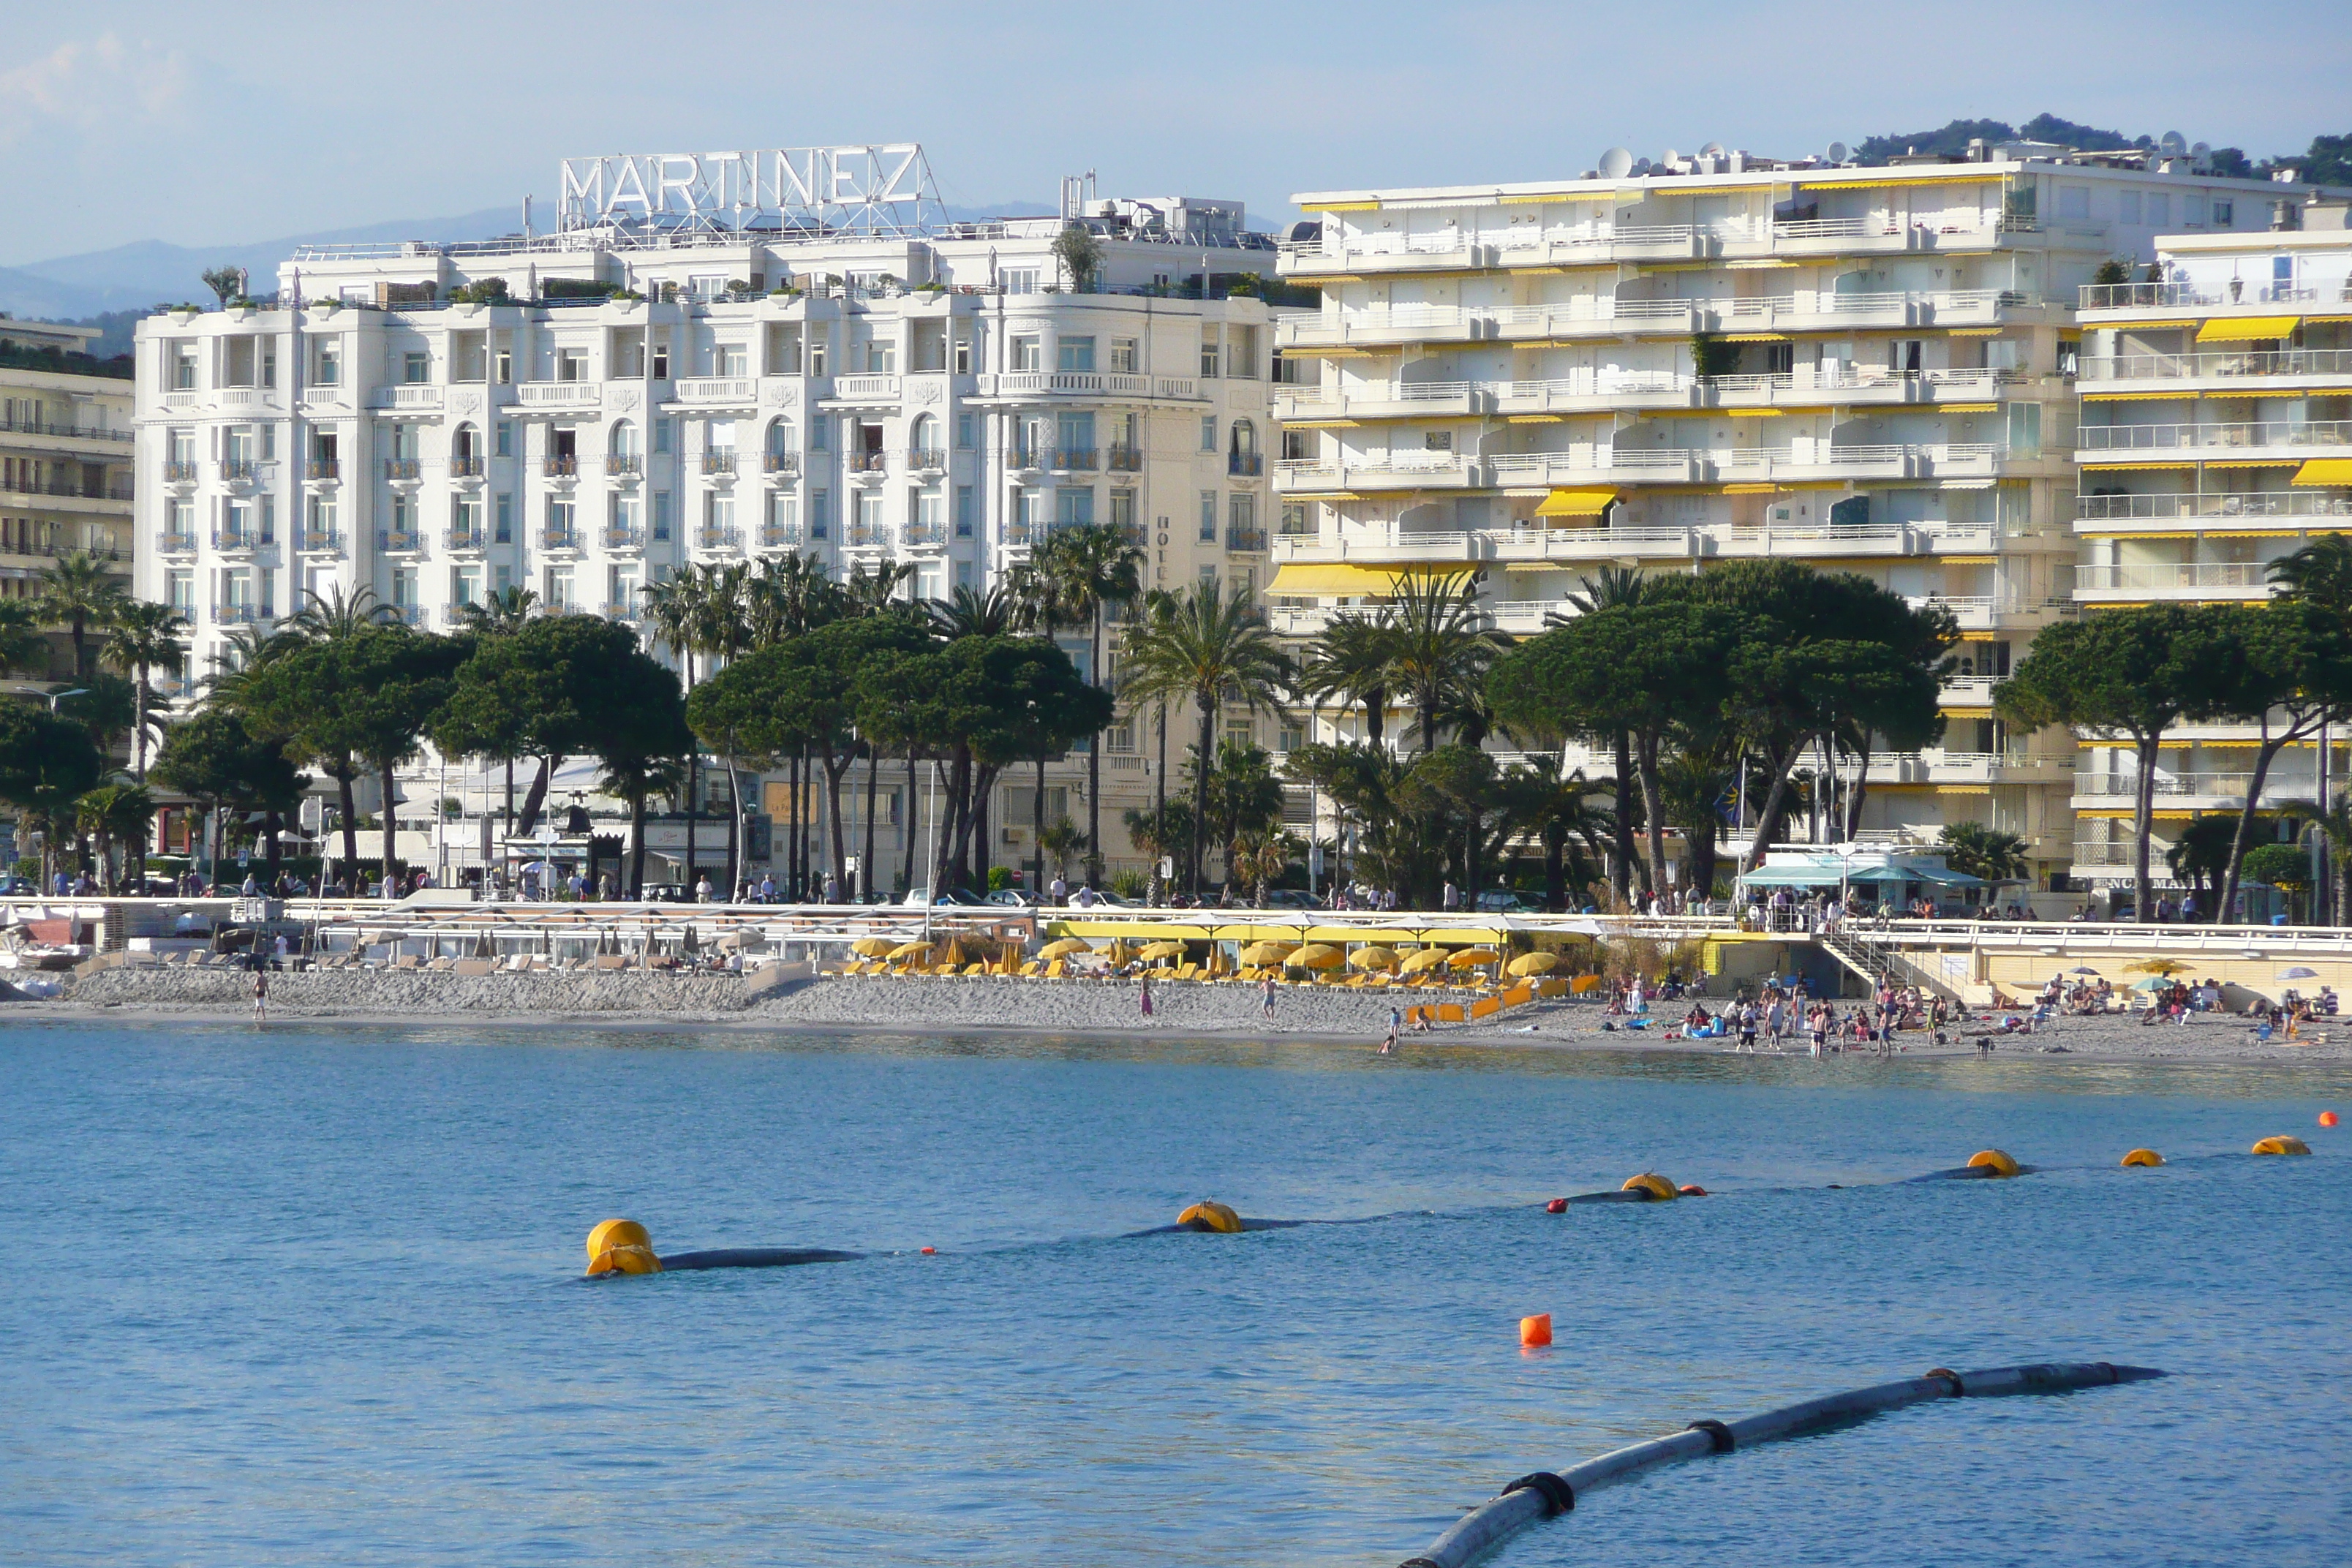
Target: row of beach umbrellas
pixel 1313 956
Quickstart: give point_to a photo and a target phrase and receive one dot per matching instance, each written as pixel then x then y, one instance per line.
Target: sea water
pixel 311 1296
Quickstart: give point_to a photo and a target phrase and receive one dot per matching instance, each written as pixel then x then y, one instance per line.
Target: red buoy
pixel 1693 1191
pixel 1558 1205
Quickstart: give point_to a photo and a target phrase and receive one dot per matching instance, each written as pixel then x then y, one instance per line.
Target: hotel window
pixel 504 362
pixel 571 365
pixel 2225 213
pixel 322 519
pixel 963 512
pixel 1074 506
pixel 1030 507
pixel 416 367
pixel 626 517
pixel 1122 736
pixel 465 584
pixel 466 517
pixel 184 519
pixel 1208 432
pixel 180 591
pixel 1074 353
pixel 404 514
pixel 1241 511
pixel 404 588
pixel 1208 352
pixel 661 359
pixel 327 367
pixel 718 516
pixel 1124 359
pixel 559 595
pixel 501 578
pixel 1027 353
pixel 930 509
pixel 504 531
pixel 881 355
pixel 963 356
pixel 869 517
pixel 184 367
pixel 1020 279
pixel 820 513
pixel 661 435
pixel 621 588
pixel 506 438
pixel 1122 509
pixel 816 353
pixel 963 574
pixel 664 503
pixel 785 517
pixel 820 433
pixel 559 522
pixel 734 359
pixel 1209 518
pixel 967 429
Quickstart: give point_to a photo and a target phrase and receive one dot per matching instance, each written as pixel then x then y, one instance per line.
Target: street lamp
pixel 54 698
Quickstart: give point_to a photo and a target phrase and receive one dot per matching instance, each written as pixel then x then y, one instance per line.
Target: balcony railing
pixel 2217 437
pixel 1246 540
pixel 1076 458
pixel 325 540
pixel 78 432
pixel 465 466
pixel 721 538
pixel 623 464
pixel 868 462
pixel 623 538
pixel 2174 295
pixel 560 468
pixel 239 539
pixel 1123 459
pixel 926 459
pixel 322 469
pixel 924 534
pixel 780 536
pixel 559 539
pixel 2210 508
pixel 178 473
pixel 2173 576
pixel 172 543
pixel 781 462
pixel 718 460
pixel 2226 787
pixel 242 615
pixel 400 469
pixel 466 539
pixel 239 471
pixel 623 611
pixel 399 542
pixel 1249 464
pixel 2217 364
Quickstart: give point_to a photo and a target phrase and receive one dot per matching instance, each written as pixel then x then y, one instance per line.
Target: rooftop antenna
pixel 1837 151
pixel 1616 164
pixel 526 218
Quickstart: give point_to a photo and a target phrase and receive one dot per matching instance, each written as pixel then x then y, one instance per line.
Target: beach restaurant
pixel 1862 873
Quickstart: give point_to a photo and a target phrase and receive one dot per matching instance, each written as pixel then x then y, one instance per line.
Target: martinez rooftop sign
pixel 877 190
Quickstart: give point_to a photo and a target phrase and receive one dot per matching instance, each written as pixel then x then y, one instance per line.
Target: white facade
pixel 65 461
pixel 1507 378
pixel 934 398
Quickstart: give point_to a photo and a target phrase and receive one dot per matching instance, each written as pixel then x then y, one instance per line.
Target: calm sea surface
pixel 311 1298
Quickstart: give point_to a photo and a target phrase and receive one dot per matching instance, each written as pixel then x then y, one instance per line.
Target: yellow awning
pixel 1753 413
pixel 2246 328
pixel 2107 468
pixel 1321 425
pixel 2253 462
pixel 1751 489
pixel 1966 559
pixel 1874 181
pixel 1332 579
pixel 2089 527
pixel 2136 397
pixel 1535 419
pixel 1575 503
pixel 1542 197
pixel 1969 407
pixel 2324 471
pixel 2153 326
pixel 1974 332
pixel 1371 206
pixel 1754 338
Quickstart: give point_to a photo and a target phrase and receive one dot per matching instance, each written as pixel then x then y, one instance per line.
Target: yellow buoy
pixel 1657 1186
pixel 1212 1216
pixel 621 1247
pixel 1992 1159
pixel 2143 1157
pixel 2281 1144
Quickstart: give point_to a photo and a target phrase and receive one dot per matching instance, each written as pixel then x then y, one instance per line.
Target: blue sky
pixel 127 121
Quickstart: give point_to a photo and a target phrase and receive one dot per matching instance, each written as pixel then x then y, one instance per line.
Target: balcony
pixel 239 471
pixel 559 539
pixel 1937 766
pixel 2198 791
pixel 1969 692
pixel 463 541
pixel 1123 459
pixel 465 466
pixel 242 615
pixel 1388 471
pixel 412 396
pixel 322 469
pixel 623 611
pixel 2174 296
pixel 1995 612
pixel 1248 465
pixel 2279 371
pixel 178 473
pixel 728 391
pixel 864 389
pixel 926 459
pixel 71 432
pixel 1082 382
pixel 1585 461
pixel 559 395
pixel 168 543
pixel 240 541
pixel 1075 459
pixel 2187 580
pixel 1628 542
pixel 559 466
pixel 867 462
pixel 1246 540
pixel 322 542
pixel 399 542
pixel 877 536
pixel 400 470
pixel 1380 325
pixel 781 464
pixel 2285 438
pixel 780 536
pixel 726 538
pixel 623 539
pixel 924 535
pixel 2255 506
pixel 718 461
pixel 404 615
pixel 623 464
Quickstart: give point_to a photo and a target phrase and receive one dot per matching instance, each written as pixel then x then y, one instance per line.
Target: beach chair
pixel 947 969
pixel 1032 969
pixel 442 965
pixel 971 969
pixel 1189 972
pixel 1057 970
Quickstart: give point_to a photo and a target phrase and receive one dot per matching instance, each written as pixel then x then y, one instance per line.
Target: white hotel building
pixel 1505 377
pixel 859 381
pixel 2216 437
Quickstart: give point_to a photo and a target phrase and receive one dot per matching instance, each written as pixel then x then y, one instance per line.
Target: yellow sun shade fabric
pixel 1968 407
pixel 1875 182
pixel 1574 503
pixel 2246 328
pixel 1330 578
pixel 2324 471
pixel 2173 396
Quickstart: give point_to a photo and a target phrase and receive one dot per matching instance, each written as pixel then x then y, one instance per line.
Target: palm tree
pixel 674 611
pixel 1353 660
pixel 1442 648
pixel 2320 572
pixel 1978 849
pixel 790 595
pixel 1213 650
pixel 502 615
pixel 722 631
pixel 80 594
pixel 118 814
pixel 2200 856
pixel 334 615
pixel 1560 812
pixel 22 646
pixel 972 613
pixel 144 637
pixel 868 592
pixel 1616 587
pixel 1094 568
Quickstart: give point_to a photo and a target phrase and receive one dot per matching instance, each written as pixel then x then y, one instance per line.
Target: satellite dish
pixel 1670 160
pixel 2200 150
pixel 2172 143
pixel 1616 164
pixel 1712 150
pixel 1644 167
pixel 1837 151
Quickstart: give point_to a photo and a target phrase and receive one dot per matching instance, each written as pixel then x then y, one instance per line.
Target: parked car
pixel 1014 899
pixel 1502 901
pixel 954 896
pixel 1290 898
pixel 668 893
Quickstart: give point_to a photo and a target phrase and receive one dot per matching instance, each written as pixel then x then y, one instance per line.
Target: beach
pixel 671 999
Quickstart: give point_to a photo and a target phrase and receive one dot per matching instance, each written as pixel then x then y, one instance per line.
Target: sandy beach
pixel 640 1000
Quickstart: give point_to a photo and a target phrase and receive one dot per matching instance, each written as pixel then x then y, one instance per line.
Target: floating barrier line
pixel 1544 1494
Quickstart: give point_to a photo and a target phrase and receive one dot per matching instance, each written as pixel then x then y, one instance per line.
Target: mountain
pixel 149 272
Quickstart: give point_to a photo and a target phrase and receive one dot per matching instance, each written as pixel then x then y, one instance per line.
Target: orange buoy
pixel 928 1250
pixel 1558 1205
pixel 1660 1189
pixel 1692 1190
pixel 2143 1157
pixel 1992 1159
pixel 1536 1330
pixel 2327 1119
pixel 2281 1144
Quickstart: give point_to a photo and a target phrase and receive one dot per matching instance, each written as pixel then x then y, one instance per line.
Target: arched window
pixel 465 443
pixel 781 438
pixel 623 440
pixel 1244 439
pixel 925 442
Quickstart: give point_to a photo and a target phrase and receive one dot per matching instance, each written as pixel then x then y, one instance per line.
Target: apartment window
pixel 559 594
pixel 2024 429
pixel 664 506
pixel 963 574
pixel 1430 441
pixel 963 512
pixel 1208 432
pixel 1074 506
pixel 503 521
pixel 706 285
pixel 1124 358
pixel 967 429
pixel 180 591
pixel 327 367
pixel 416 367
pixel 504 363
pixel 1030 506
pixel 820 433
pixel 963 356
pixel 465 516
pixel 1027 353
pixel 816 355
pixel 268 515
pixel 320 517
pixel 1209 518
pixel 1020 279
pixel 465 584
pixel 627 515
pixel 881 356
pixel 1121 739
pixel 784 515
pixel 2225 213
pixel 506 438
pixel 1294 736
pixel 1241 511
pixel 661 435
pixel 559 515
pixel 733 359
pixel 184 367
pixel 1122 509
pixel 501 578
pixel 931 508
pixel 1780 359
pixel 182 523
pixel 621 587
pixel 404 514
pixel 404 587
pixel 661 360
pixel 571 365
pixel 1074 353
pixel 820 513
pixel 1208 354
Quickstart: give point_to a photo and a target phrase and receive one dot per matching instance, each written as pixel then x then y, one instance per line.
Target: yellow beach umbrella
pixel 1529 965
pixel 1159 950
pixel 1316 955
pixel 1263 953
pixel 910 950
pixel 872 946
pixel 1422 958
pixel 1471 958
pixel 1373 958
pixel 2165 966
pixel 1064 947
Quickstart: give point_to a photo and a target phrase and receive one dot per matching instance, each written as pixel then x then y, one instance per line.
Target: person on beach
pixel 1396 1024
pixel 260 994
pixel 1267 998
pixel 1146 997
